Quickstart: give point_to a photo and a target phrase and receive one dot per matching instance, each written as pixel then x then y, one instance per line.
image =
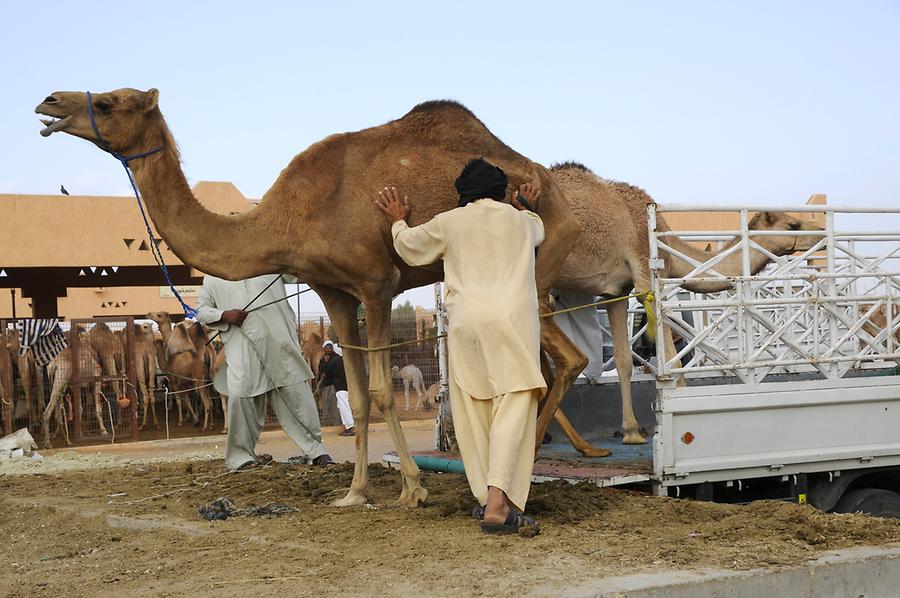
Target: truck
pixel 787 383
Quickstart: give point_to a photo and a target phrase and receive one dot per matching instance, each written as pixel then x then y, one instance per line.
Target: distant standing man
pixel 488 248
pixel 331 370
pixel 264 363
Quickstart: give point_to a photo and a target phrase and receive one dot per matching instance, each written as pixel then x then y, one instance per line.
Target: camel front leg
pixel 140 369
pixel 98 407
pixel 341 309
pixel 406 392
pixel 618 323
pixel 378 327
pixel 224 400
pixel 57 389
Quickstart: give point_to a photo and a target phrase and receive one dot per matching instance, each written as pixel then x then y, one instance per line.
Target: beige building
pixel 75 256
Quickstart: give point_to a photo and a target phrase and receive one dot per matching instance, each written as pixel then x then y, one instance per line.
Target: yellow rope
pixel 392 346
pixel 646 299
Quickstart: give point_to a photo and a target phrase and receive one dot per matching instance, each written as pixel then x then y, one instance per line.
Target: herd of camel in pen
pixel 318 222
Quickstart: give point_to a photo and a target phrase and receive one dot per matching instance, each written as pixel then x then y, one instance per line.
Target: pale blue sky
pixel 707 102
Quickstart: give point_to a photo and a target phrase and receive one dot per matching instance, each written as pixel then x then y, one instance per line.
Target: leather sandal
pixel 323 460
pixel 514 522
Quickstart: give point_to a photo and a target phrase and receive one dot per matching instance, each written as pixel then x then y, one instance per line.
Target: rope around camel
pixel 646 298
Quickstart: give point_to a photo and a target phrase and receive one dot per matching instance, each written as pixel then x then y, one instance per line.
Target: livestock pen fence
pixel 100 401
pixel 415 371
pixel 91 384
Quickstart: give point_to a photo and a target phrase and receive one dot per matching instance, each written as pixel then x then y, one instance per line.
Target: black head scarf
pixel 480 179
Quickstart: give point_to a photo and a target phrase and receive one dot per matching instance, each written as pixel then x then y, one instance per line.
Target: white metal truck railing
pixel 830 307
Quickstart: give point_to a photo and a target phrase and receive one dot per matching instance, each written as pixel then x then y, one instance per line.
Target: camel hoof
pixel 594 452
pixel 413 498
pixel 351 500
pixel 104 433
pixel 633 438
pixel 224 430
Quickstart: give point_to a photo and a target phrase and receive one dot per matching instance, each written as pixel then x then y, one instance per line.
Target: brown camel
pixel 145 365
pixel 311 345
pixel 612 253
pixel 184 366
pixel 30 375
pixel 217 364
pixel 324 199
pixel 111 353
pixel 62 375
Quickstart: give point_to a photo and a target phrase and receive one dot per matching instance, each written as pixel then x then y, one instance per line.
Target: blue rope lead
pixel 189 311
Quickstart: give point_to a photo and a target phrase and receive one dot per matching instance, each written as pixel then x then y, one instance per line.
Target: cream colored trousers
pixel 496 441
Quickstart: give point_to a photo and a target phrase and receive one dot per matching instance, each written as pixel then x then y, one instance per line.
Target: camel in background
pixel 30 375
pixel 217 364
pixel 612 256
pixel 145 364
pixel 62 375
pixel 311 346
pixel 411 376
pixel 325 199
pixel 111 353
pixel 184 366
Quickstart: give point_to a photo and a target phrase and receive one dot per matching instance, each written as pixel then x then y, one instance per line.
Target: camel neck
pixel 730 266
pixel 213 243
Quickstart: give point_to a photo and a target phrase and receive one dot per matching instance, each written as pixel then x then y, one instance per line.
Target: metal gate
pixel 779 364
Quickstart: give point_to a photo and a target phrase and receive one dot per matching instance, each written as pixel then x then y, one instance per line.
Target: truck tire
pixel 871 501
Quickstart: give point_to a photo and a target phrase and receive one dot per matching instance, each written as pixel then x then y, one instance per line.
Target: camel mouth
pixel 52 126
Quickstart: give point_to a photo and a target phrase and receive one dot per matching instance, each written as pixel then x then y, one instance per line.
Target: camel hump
pixel 448 119
pixel 571 165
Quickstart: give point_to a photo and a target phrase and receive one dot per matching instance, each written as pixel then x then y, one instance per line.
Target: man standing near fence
pixel 488 248
pixel 331 371
pixel 264 364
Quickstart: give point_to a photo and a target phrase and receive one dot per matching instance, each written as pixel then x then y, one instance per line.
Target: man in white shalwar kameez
pixel 488 248
pixel 264 363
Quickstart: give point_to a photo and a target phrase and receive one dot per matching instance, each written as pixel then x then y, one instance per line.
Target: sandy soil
pixel 135 528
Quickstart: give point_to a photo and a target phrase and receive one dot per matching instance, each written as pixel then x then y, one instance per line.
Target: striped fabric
pixel 44 338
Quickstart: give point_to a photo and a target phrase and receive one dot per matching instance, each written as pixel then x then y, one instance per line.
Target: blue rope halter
pixel 189 311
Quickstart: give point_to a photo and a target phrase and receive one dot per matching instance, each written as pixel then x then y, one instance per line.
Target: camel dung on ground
pixel 611 257
pixel 324 199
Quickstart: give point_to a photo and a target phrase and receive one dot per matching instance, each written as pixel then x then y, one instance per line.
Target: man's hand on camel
pixel 528 192
pixel 234 316
pixel 394 207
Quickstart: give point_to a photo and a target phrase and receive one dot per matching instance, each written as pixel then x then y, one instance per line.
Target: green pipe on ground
pixel 439 464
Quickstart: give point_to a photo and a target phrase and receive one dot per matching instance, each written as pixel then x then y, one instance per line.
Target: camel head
pixel 144 329
pixel 395 371
pixel 783 221
pixel 121 116
pixel 160 317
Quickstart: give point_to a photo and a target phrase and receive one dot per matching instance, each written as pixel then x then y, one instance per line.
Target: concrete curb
pixel 865 572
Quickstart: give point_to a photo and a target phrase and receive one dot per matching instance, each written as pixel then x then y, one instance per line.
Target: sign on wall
pixel 190 290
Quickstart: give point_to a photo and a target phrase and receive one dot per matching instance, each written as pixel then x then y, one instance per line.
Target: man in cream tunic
pixel 263 363
pixel 488 248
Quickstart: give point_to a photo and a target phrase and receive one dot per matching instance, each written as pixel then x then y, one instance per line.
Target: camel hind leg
pixel 618 323
pixel 378 327
pixel 570 362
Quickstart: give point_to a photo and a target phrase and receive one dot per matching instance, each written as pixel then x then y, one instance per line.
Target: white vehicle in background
pixel 793 387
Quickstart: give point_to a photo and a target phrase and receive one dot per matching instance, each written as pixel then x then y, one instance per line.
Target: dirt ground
pixel 135 528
